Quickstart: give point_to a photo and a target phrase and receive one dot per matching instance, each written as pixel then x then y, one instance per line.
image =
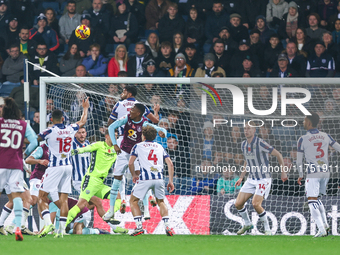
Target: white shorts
pixel 57 179
pixel 77 186
pixel 257 187
pixel 35 187
pixel 12 180
pixel 122 164
pixel 8 189
pixel 316 186
pixel 142 187
pixel 84 218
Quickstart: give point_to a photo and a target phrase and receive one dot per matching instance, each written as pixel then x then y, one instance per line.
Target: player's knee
pixel 256 205
pixel 238 205
pixel 119 177
pixel 79 231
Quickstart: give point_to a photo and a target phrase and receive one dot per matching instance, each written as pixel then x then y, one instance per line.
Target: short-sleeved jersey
pixel 132 134
pixel 256 155
pixel 151 157
pixel 42 152
pixel 122 108
pixel 59 140
pixel 314 144
pixel 12 134
pixel 80 162
pixel 102 158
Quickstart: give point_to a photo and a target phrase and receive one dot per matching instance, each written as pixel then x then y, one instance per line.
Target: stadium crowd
pixel 162 38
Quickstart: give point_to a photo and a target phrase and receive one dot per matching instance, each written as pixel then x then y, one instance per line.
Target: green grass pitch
pixel 179 244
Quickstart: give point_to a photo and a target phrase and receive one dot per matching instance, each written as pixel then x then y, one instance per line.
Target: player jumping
pixel 314 145
pixel 256 153
pixel 150 155
pixel 133 124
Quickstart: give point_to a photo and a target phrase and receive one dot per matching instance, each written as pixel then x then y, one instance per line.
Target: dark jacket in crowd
pixel 168 27
pixel 153 13
pixel 165 63
pixel 322 66
pixel 238 33
pixel 258 50
pixel 132 64
pixel 239 56
pixel 121 21
pixel 50 63
pixel 283 23
pixel 290 72
pixel 195 62
pixel 138 10
pixel 18 95
pixel 194 30
pixel 84 45
pixel 253 72
pixel 100 22
pixel 251 9
pixel 271 55
pixel 214 23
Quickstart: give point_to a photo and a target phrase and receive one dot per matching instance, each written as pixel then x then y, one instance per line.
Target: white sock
pixel 122 188
pixel 138 220
pixel 323 213
pixel 4 215
pixel 146 204
pixel 62 223
pixel 46 216
pixel 264 219
pixel 244 214
pixel 165 219
pixel 25 212
pixel 112 226
pixel 315 212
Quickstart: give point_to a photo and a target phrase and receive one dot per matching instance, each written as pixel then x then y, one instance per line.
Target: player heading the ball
pixel 256 153
pixel 151 156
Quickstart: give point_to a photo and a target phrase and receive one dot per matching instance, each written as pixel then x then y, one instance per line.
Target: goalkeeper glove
pixel 74 152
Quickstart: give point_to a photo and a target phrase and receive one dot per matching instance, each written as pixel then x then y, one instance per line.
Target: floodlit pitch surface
pixel 179 244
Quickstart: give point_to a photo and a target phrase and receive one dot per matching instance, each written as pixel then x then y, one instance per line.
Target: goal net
pixel 205 121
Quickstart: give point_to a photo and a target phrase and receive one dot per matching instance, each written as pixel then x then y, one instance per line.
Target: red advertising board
pixel 188 215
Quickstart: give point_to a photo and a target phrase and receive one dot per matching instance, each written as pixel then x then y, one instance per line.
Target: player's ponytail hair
pixel 11 109
pixel 149 133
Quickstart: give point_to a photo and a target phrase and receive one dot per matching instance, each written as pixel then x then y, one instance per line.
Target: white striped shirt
pixel 256 155
pixel 151 157
pixel 80 162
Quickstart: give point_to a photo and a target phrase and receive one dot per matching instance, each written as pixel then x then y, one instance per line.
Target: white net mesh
pixel 203 202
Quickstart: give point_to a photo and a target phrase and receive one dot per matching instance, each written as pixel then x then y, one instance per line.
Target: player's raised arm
pixel 35 158
pixel 89 148
pixel 83 118
pixel 118 123
pixel 279 157
pixel 170 187
pixel 154 117
pixel 32 138
pixel 161 131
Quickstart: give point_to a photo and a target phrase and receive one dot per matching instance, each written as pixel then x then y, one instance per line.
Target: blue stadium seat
pixel 53 5
pixel 62 7
pixel 185 17
pixel 110 49
pixel 131 49
pixel 147 32
pixel 206 48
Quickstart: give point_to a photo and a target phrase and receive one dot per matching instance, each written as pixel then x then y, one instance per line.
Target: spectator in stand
pixel 45 59
pixel 326 8
pixel 275 11
pixel 331 47
pixel 170 23
pixel 243 51
pixel 283 70
pixel 194 29
pixel 248 67
pixel 226 183
pixel 215 21
pixel 147 91
pixel 43 32
pixel 336 31
pixel 237 31
pixel 70 61
pixel 257 47
pixel 296 60
pixel 18 95
pixel 208 140
pixel 221 56
pixel 192 57
pixel 24 10
pixel 204 181
pixel 27 46
pixel 181 68
pixel 152 45
pixel 100 17
pixel 306 7
pixel 209 67
pixel 118 62
pixel 110 6
pixel 96 63
pixel 165 60
pixel 290 22
pixel 265 131
pixel 124 27
pixel 52 20
pixel 265 32
pixel 314 31
pixel 150 69
pixel 69 22
pixel 13 67
pixel 304 42
pixel 154 11
pixel 229 44
pixel 11 33
pixel 334 18
pixel 320 64
pixel 96 36
pixel 203 7
pixel 35 124
pixel 164 123
pixel 178 43
pixel 82 5
pixel 271 53
pixel 252 9
pixel 138 10
pixel 178 157
pixel 135 63
pixel 4 15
